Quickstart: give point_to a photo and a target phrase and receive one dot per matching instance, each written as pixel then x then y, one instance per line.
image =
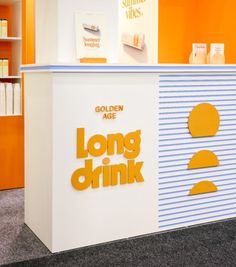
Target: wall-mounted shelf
pixel 10 77
pixel 7 116
pixel 10 39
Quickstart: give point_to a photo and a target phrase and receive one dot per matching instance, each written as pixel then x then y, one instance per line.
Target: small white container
pixel 9 99
pixel 17 99
pixel 2 99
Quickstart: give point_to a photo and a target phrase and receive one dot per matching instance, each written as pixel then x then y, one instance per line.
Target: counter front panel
pixel 114 151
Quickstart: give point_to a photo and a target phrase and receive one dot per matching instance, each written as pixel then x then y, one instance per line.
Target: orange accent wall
pixel 183 22
pixel 11 152
pixel 28 33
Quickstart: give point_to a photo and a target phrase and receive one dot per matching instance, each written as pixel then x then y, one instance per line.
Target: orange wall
pixel 28 34
pixel 11 152
pixel 183 22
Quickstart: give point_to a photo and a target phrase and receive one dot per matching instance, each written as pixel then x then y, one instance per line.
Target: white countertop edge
pixel 121 68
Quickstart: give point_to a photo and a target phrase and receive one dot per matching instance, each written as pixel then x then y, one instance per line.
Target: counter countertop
pixel 144 68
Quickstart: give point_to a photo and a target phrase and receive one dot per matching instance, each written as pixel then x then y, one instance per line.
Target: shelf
pixel 8 2
pixel 10 39
pixel 10 77
pixel 9 116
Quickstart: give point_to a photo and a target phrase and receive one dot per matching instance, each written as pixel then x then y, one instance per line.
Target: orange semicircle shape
pixel 204 120
pixel 203 159
pixel 203 187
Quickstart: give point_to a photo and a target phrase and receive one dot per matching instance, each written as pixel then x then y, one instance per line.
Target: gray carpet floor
pixel 203 246
pixel 17 242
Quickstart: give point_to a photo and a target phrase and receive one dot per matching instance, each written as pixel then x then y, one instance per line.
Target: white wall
pixel 46 31
pixel 55 28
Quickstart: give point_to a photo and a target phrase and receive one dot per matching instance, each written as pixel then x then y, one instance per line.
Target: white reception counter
pixel 114 151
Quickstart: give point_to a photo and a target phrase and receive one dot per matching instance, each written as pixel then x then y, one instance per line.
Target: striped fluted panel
pixel 178 95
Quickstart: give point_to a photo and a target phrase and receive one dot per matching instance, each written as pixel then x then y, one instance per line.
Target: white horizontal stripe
pixel 208 83
pixel 185 131
pixel 195 211
pixel 197 221
pixel 185 120
pixel 168 173
pixel 190 102
pixel 174 193
pixel 180 201
pixel 195 95
pixel 184 111
pixel 176 184
pixel 173 136
pixel 184 163
pixel 187 150
pixel 197 145
pixel 183 157
pixel 200 77
pixel 199 99
pixel 168 126
pixel 200 215
pixel 187 208
pixel 192 141
pixel 166 115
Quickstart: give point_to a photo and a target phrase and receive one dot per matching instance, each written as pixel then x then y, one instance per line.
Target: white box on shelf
pixel 9 99
pixel 17 99
pixel 2 99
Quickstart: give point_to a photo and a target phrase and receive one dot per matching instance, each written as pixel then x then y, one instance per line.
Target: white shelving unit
pixel 14 37
pixel 12 44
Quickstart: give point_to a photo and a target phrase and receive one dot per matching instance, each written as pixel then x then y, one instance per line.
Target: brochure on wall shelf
pixel 91 37
pixel 136 40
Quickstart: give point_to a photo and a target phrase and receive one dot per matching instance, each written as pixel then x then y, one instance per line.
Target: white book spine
pixel 17 99
pixel 2 99
pixel 9 99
